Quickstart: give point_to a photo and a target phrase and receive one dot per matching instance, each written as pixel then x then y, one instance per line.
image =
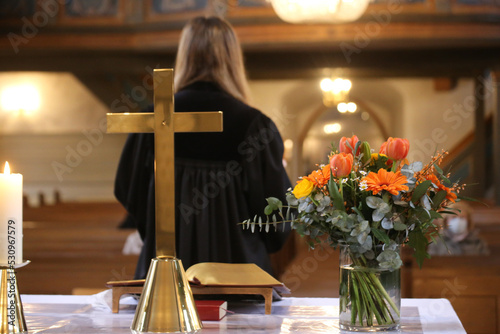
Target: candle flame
pixel 7 168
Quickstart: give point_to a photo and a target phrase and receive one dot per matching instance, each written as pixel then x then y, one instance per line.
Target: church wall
pixel 61 144
pixel 435 120
pixel 79 167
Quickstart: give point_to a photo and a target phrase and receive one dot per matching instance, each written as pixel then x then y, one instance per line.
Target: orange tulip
pixel 348 148
pixel 341 164
pixel 383 148
pixel 396 148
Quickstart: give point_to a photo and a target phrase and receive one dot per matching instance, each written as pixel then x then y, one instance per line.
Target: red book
pixel 211 310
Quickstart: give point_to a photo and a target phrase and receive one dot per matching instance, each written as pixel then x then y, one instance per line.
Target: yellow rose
pixel 303 188
pixel 376 156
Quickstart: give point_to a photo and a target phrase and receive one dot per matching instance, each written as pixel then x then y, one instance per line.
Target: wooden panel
pixel 478 314
pixel 473 288
pixel 351 38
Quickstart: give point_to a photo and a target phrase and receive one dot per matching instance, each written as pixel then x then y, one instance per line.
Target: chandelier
pixel 336 93
pixel 319 11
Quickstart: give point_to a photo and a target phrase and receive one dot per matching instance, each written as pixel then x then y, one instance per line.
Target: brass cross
pixel 164 122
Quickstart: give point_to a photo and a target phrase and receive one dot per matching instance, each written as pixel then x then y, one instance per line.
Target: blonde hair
pixel 209 50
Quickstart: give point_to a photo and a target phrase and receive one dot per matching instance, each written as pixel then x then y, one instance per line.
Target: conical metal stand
pixel 166 303
pixel 11 307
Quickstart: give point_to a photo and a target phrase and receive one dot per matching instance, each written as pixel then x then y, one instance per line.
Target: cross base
pixel 166 303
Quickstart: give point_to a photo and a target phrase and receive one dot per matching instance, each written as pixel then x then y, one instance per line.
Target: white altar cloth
pixel 92 315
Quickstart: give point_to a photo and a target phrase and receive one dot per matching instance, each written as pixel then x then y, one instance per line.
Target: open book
pixel 214 274
pixel 232 275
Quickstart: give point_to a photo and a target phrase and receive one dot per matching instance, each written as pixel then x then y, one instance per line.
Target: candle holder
pixel 11 308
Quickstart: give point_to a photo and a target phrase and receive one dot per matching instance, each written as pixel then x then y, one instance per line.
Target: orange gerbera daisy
pixel 451 196
pixel 320 177
pixel 384 180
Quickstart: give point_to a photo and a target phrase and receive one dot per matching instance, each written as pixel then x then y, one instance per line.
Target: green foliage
pixel 420 191
pixel 418 242
pixel 381 235
pixel 338 200
pixel 438 199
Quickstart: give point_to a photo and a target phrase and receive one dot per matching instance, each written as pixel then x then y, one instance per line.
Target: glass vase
pixel 369 296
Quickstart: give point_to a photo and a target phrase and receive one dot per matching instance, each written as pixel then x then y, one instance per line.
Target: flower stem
pixel 368 298
pixel 371 299
pixel 384 293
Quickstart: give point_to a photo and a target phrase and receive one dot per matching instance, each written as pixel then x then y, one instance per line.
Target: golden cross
pixel 164 122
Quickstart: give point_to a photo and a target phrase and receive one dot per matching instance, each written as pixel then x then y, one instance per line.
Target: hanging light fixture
pixel 335 91
pixel 319 11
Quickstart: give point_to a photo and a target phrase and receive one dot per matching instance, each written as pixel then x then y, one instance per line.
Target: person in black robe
pixel 221 178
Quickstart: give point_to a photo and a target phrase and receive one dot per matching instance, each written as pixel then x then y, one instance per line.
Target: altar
pixel 92 314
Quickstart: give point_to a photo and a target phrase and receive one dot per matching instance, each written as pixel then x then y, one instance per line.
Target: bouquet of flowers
pixel 370 204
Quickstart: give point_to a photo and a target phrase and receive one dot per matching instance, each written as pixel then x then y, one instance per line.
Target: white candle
pixel 11 217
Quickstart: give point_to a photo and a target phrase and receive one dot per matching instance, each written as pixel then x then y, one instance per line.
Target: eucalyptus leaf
pixel 447 212
pixel 387 223
pixel 417 166
pixel 425 202
pixel 445 181
pixel 438 198
pixel 420 190
pixel 274 203
pixel 380 235
pixel 438 169
pixel 377 215
pixel 399 226
pixel 373 202
pixel 435 215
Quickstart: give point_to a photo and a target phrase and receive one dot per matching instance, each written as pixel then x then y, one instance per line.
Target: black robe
pixel 221 180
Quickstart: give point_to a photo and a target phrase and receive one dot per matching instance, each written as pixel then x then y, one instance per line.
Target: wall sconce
pixel 336 92
pixel 319 11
